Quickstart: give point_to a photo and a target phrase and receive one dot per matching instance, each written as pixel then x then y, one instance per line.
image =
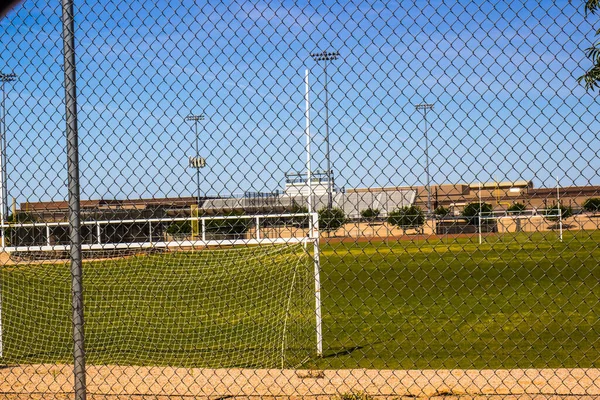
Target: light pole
pixel 425 107
pixel 327 56
pixel 196 161
pixel 3 175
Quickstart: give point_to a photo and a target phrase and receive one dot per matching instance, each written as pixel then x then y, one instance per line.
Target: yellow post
pixel 195 222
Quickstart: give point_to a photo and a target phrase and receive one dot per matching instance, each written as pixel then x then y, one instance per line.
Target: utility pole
pixel 3 164
pixel 327 56
pixel 197 161
pixel 425 107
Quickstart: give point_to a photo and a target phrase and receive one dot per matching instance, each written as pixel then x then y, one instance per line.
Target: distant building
pixel 296 184
pixel 132 215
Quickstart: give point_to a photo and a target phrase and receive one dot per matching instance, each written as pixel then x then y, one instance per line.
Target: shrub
pixel 331 219
pixel 229 226
pixel 180 228
pixel 301 221
pixel 472 211
pixel 552 213
pixel 592 204
pixel 22 217
pixel 516 209
pixel 370 213
pixel 441 211
pixel 407 217
pixel 298 208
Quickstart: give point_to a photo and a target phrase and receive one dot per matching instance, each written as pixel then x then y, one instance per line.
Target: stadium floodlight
pixel 196 162
pixel 327 56
pixel 3 175
pixel 425 107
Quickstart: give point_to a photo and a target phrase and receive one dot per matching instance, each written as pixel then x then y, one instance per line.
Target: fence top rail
pixel 158 220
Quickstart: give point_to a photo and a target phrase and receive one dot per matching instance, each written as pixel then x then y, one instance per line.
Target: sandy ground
pixel 130 382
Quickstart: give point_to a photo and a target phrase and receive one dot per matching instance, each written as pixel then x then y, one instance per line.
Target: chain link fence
pixel 345 200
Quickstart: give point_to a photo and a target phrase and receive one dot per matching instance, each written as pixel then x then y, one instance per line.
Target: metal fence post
pixel 73 183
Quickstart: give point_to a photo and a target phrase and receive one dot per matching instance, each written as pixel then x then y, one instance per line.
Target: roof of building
pixel 502 185
pixel 110 203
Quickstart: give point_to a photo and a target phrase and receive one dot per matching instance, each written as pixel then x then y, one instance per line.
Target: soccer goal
pixel 247 296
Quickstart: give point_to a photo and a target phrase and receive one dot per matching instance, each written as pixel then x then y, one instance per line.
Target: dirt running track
pixel 119 382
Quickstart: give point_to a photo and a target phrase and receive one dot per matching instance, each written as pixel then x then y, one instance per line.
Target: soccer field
pixel 514 301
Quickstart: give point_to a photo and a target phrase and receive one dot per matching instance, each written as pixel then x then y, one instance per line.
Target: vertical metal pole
pixel 197 167
pixel 308 175
pixel 326 56
pixel 4 186
pixel 203 230
pixel 427 163
pixel 258 228
pixel 559 210
pixel 479 219
pixel 3 200
pixel 74 200
pixel 1 330
pixel 425 107
pixel 329 184
pixel 4 157
pixel 317 276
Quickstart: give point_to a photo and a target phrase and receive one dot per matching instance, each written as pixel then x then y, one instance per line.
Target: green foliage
pixel 473 210
pixel 300 221
pixel 591 79
pixel 552 213
pixel 407 217
pixel 180 228
pixel 331 219
pixel 516 209
pixel 228 226
pixel 592 6
pixel 297 208
pixel 22 217
pixel 592 204
pixel 441 211
pixel 370 213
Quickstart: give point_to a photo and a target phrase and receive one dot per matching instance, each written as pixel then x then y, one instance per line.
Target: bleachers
pixel 352 202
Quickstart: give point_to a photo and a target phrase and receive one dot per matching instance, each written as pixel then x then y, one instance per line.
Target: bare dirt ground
pixel 131 382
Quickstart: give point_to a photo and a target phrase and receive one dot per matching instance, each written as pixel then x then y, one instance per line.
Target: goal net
pixel 251 304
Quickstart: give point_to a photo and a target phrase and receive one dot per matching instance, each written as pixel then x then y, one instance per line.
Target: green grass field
pixel 514 301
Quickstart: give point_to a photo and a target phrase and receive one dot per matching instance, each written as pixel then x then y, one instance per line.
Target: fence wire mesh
pixel 345 200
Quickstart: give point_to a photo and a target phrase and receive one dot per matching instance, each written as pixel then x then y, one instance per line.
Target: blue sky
pixel 502 76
